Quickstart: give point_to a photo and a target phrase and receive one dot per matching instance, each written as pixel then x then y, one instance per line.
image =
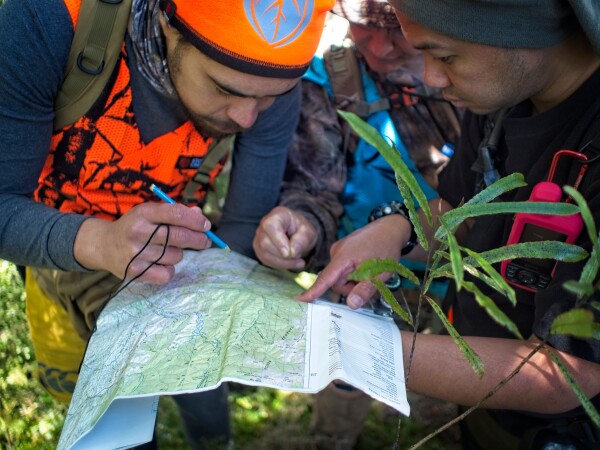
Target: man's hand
pixel 383 238
pixel 105 245
pixel 283 238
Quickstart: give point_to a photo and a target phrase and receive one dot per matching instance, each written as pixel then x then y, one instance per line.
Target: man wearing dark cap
pixel 76 202
pixel 532 71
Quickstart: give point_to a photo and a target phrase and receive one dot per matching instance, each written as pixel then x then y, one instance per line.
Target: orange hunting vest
pixel 100 166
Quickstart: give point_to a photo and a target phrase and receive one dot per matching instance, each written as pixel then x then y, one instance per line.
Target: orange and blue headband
pixel 270 38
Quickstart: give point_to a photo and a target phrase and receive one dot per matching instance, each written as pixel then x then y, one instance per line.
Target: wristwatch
pixel 387 209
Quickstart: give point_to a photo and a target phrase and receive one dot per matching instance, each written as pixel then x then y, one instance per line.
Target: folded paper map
pixel 222 318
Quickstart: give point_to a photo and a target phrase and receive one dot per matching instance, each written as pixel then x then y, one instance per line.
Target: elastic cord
pixel 112 294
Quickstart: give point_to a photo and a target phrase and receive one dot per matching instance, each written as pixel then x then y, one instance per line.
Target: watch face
pixel 387 209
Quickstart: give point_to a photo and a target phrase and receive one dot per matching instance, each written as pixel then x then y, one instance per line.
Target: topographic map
pixel 222 318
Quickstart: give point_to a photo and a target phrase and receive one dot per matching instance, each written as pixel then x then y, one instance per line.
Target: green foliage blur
pixel 29 417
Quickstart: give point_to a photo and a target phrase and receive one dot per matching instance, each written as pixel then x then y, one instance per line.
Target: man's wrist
pixel 86 248
pixel 392 208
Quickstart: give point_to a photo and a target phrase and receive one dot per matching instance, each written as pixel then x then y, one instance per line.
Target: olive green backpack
pixel 94 53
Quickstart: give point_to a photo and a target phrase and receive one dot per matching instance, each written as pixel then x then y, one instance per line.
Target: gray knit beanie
pixel 507 23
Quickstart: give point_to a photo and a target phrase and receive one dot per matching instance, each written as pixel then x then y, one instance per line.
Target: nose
pixel 244 111
pixel 434 74
pixel 380 44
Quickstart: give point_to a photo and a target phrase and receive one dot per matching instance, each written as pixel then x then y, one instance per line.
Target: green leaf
pixel 576 322
pixel 456 216
pixel 495 280
pixel 590 270
pixel 496 189
pixel 474 271
pixel 429 278
pixel 412 212
pixel 440 273
pixel 492 309
pixel 389 298
pixel 370 268
pixel 579 289
pixel 586 214
pixel 587 405
pixel 539 249
pixel 472 357
pixel 455 256
pixel 391 155
pixel 595 305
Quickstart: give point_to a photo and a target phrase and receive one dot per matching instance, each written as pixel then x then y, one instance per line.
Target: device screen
pixel 534 233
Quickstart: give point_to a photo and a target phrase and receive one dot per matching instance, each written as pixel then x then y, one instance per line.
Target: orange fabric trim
pixel 73 6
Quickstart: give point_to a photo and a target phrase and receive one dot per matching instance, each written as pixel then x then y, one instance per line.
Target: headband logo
pixel 279 22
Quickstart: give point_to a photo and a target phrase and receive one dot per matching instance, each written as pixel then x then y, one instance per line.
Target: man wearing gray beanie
pixel 528 71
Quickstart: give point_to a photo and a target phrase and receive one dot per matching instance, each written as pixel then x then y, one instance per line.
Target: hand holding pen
pixel 145 243
pixel 213 237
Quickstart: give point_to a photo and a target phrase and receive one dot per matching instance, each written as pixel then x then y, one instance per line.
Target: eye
pixel 445 59
pixel 222 92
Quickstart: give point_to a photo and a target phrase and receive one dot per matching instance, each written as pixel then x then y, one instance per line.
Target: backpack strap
pixel 592 147
pixel 485 165
pixel 217 150
pixel 342 66
pixel 346 83
pixel 587 136
pixel 348 93
pixel 587 133
pixel 343 70
pixel 94 53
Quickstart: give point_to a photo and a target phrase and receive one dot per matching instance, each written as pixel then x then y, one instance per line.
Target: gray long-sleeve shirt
pixel 35 37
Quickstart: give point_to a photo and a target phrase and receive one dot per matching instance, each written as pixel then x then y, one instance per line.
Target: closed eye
pixel 223 92
pixel 445 59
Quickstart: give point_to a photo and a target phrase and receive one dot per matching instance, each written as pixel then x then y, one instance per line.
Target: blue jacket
pixel 371 180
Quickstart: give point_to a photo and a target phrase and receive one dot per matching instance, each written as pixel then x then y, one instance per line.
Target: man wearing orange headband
pixel 76 204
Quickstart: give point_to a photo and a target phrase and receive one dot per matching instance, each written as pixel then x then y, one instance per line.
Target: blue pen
pixel 212 236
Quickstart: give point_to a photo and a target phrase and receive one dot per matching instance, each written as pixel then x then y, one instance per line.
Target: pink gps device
pixel 533 274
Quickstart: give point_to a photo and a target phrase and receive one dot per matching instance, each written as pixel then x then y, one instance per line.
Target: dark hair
pixel 370 13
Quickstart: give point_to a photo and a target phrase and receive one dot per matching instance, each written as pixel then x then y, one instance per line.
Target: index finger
pixel 330 276
pixel 176 214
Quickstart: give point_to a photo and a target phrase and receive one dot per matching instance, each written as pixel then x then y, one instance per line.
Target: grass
pixel 29 417
pixel 261 418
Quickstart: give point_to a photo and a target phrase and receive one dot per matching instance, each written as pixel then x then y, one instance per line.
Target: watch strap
pixel 395 207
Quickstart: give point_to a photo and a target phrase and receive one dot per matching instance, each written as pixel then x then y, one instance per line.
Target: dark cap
pixel 507 23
